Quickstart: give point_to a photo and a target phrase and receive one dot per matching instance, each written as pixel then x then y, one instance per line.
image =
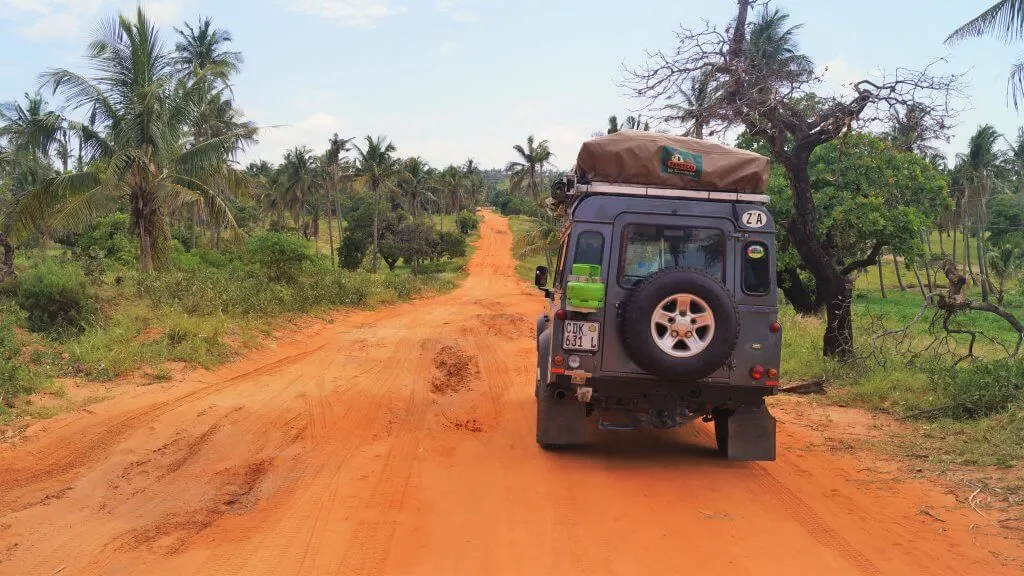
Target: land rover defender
pixel 663 305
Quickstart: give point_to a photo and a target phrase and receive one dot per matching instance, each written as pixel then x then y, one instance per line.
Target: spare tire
pixel 680 323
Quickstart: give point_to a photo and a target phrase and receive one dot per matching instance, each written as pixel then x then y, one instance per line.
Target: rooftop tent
pixel 662 160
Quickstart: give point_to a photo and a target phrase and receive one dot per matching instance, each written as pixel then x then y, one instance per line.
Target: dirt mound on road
pixel 456 370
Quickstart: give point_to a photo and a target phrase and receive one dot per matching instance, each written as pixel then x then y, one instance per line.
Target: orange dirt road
pixel 400 441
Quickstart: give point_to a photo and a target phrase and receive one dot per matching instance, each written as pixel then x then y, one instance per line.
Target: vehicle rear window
pixel 647 249
pixel 757 270
pixel 589 248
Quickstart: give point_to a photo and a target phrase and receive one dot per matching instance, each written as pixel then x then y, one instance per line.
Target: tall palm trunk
pixel 899 276
pixel 376 229
pixel 967 254
pixel 982 264
pixel 920 284
pixel 952 255
pixel 341 221
pixel 881 280
pixel 942 248
pixel 330 227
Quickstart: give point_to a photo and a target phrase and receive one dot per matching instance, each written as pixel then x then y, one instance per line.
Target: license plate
pixel 580 335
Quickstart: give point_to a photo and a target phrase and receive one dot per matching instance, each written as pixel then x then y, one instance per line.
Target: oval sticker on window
pixel 754 219
pixel 755 252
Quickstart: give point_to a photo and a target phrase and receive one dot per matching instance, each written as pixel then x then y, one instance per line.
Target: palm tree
pixel 377 169
pixel 415 184
pixel 200 50
pixel 335 153
pixel 142 111
pixel 698 98
pixel 31 128
pixel 299 176
pixel 529 169
pixel 1005 20
pixel 982 170
pixel 772 53
pixel 1005 262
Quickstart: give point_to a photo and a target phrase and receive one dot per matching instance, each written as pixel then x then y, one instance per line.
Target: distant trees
pixel 527 171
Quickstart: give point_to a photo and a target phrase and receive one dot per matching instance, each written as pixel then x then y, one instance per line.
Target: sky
pixel 449 80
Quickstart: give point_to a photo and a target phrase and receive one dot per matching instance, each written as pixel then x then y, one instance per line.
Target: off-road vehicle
pixel 663 305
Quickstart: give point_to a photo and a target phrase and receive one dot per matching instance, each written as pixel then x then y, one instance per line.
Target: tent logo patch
pixel 676 161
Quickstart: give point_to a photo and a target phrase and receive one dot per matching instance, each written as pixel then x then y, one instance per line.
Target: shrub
pixel 418 241
pixel 57 298
pixel 453 245
pixel 467 222
pixel 280 256
pixel 352 252
pixel 111 237
pixel 979 389
pixel 13 373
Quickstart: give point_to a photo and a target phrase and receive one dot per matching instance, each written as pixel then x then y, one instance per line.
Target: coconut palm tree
pixel 1005 262
pixel 982 170
pixel 1004 20
pixel 529 169
pixel 298 182
pixel 698 98
pixel 31 128
pixel 377 170
pixel 201 49
pixel 142 111
pixel 772 53
pixel 415 184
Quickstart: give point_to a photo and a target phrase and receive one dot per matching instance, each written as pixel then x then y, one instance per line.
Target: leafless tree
pixel 771 103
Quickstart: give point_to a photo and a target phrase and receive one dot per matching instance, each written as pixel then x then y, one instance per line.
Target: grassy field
pixel 957 417
pixel 205 309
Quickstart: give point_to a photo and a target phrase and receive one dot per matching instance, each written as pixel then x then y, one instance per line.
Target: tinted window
pixel 589 249
pixel 647 249
pixel 757 270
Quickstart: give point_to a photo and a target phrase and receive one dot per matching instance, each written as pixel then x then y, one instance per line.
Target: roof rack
pixel 654 192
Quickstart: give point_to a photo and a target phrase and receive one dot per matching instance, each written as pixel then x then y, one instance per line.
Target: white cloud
pixel 313 131
pixel 346 12
pixel 465 17
pixel 446 48
pixel 838 76
pixel 65 19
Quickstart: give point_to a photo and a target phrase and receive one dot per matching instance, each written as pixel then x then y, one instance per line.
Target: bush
pixel 13 373
pixel 111 238
pixel 467 222
pixel 57 298
pixel 280 256
pixel 352 252
pixel 453 245
pixel 979 389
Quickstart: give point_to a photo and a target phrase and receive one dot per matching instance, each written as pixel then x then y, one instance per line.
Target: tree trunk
pixel 1002 289
pixel 145 247
pixel 952 255
pixel 881 280
pixel 330 228
pixel 942 248
pixel 833 288
pixel 982 265
pixel 797 293
pixel 341 222
pixel 7 261
pixel 899 276
pixel 376 231
pixel 927 260
pixel 919 283
pixel 967 254
pixel 838 341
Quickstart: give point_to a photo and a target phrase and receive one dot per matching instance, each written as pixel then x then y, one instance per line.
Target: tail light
pixel 775 327
pixel 560 314
pixel 757 372
pixel 773 373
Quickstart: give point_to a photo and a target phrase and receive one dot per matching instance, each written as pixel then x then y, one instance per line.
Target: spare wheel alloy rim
pixel 682 325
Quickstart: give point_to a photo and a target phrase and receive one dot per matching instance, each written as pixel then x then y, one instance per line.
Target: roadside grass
pixel 895 374
pixel 204 310
pixel 527 259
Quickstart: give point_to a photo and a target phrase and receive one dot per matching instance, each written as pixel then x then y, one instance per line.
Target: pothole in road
pixel 506 324
pixel 456 370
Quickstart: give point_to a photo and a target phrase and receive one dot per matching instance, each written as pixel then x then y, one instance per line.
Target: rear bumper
pixel 641 392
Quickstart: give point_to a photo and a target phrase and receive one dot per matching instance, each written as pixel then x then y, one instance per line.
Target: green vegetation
pixel 131 236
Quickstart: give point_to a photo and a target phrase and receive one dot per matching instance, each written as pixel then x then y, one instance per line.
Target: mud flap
pixel 751 433
pixel 560 422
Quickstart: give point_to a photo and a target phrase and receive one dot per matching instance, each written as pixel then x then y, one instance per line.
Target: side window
pixel 589 248
pixel 757 270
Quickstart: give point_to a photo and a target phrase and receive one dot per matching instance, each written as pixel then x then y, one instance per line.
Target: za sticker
pixel 754 219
